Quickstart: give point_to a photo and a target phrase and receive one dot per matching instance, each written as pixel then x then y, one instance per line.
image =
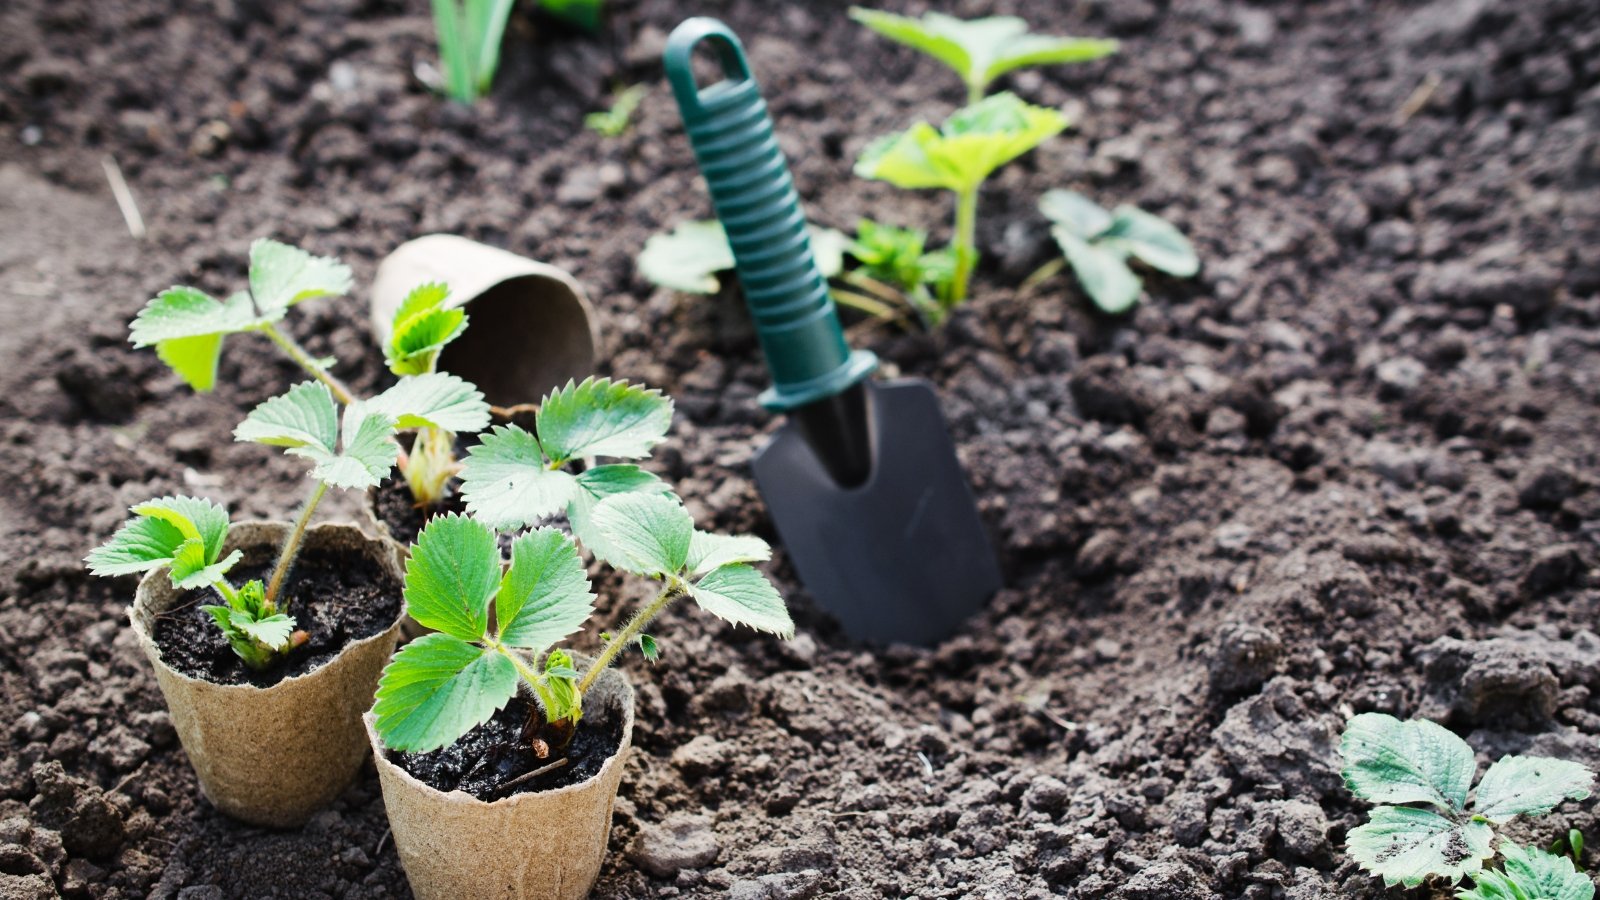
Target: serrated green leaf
pixel 422 327
pixel 195 359
pixel 356 453
pixel 183 312
pixel 545 594
pixel 965 150
pixel 1390 761
pixel 601 417
pixel 595 485
pixel 366 454
pixel 222 615
pixel 434 400
pixel 1156 242
pixel 651 532
pixel 687 259
pixel 281 275
pixel 1492 885
pixel 436 689
pixel 304 416
pixel 1102 271
pixel 1075 212
pixel 453 573
pixel 649 648
pixel 273 631
pixel 138 546
pixel 743 596
pixel 507 483
pixel 1529 785
pixel 195 517
pixel 1530 874
pixel 709 551
pixel 190 569
pixel 558 689
pixel 1404 845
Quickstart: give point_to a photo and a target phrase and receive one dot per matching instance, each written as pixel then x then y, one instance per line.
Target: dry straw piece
pixel 536 846
pixel 274 756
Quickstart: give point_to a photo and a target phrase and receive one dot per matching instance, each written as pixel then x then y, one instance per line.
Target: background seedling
pixel 614 122
pixel 1097 244
pixel 958 156
pixel 1530 874
pixel 1421 773
pixel 185 535
pixel 469 33
pixel 981 50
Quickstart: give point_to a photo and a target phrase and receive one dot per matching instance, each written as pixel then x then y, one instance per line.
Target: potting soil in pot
pixel 336 596
pixel 394 506
pixel 495 753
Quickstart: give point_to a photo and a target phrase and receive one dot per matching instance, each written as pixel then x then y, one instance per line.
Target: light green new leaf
pixel 434 400
pixel 273 631
pixel 436 689
pixel 453 573
pixel 306 421
pixel 194 517
pixel 1390 761
pixel 545 594
pixel 1529 785
pixel 304 416
pixel 743 596
pixel 1404 845
pixel 1073 211
pixel 1101 270
pixel 1156 242
pixel 191 569
pixel 139 545
pixel 965 150
pixel 187 328
pixel 281 276
pixel 980 50
pixel 1530 874
pixel 507 483
pixel 709 551
pixel 651 532
pixel 422 327
pixel 367 453
pixel 688 258
pixel 827 247
pixel 595 485
pixel 601 417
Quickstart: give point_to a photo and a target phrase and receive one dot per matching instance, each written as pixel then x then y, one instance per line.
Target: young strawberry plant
pixel 1530 874
pixel 1421 774
pixel 981 50
pixel 614 122
pixel 1097 244
pixel 959 156
pixel 469 33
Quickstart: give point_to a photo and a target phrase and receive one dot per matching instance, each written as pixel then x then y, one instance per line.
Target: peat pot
pixel 536 846
pixel 273 756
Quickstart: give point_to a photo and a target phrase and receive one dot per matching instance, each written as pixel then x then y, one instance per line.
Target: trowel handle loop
pixel 754 196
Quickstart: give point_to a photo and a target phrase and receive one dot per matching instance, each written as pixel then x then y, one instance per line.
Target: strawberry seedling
pixel 1421 773
pixel 614 122
pixel 469 44
pixel 1529 874
pixel 1097 244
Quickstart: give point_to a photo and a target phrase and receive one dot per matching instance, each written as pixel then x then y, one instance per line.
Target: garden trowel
pixel 862 481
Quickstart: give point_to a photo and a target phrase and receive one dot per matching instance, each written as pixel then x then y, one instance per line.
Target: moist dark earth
pixel 337 597
pixel 1351 466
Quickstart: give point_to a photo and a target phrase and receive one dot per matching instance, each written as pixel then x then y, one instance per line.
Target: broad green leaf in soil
pixel 436 689
pixel 281 275
pixel 709 551
pixel 1075 212
pixel 1154 241
pixel 187 328
pixel 453 573
pixel 305 416
pixel 1102 271
pixel 367 451
pixel 190 568
pixel 507 483
pixel 601 417
pixel 743 596
pixel 1417 761
pixel 596 484
pixel 434 400
pixel 651 532
pixel 194 516
pixel 688 258
pixel 1530 874
pixel 966 149
pixel 545 594
pixel 1529 785
pixel 140 545
pixel 1405 845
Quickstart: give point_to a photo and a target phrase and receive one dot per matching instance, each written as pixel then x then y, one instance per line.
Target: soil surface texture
pixel 495 754
pixel 1350 466
pixel 337 597
pixel 394 507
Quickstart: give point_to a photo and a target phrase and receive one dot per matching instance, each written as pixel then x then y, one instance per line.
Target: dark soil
pixel 1351 466
pixel 494 753
pixel 337 597
pixel 394 506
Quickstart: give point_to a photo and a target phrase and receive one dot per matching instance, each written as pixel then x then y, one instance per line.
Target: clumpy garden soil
pixel 494 754
pixel 1351 466
pixel 337 597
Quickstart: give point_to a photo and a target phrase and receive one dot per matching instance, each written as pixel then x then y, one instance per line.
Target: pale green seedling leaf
pixel 545 594
pixel 601 417
pixel 304 416
pixel 187 328
pixel 1530 874
pixel 649 647
pixel 595 485
pixel 273 631
pixel 651 532
pixel 965 150
pixel 453 573
pixel 743 596
pixel 434 400
pixel 688 258
pixel 281 276
pixel 1529 785
pixel 1103 272
pixel 139 545
pixel 436 689
pixel 422 327
pixel 355 454
pixel 1390 761
pixel 507 482
pixel 191 569
pixel 195 517
pixel 1157 243
pixel 367 452
pixel 1075 212
pixel 709 551
pixel 1405 845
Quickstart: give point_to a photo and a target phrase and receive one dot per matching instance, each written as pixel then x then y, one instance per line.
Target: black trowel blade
pixel 904 557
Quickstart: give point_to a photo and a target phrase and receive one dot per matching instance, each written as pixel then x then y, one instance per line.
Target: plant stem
pixel 291 547
pixel 965 241
pixel 616 645
pixel 975 91
pixel 305 361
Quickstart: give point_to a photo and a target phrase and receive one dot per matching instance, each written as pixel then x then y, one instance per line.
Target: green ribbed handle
pixel 753 195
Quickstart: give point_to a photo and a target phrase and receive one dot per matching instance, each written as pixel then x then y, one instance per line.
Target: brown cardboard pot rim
pixel 452 844
pixel 240 738
pixel 531 329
